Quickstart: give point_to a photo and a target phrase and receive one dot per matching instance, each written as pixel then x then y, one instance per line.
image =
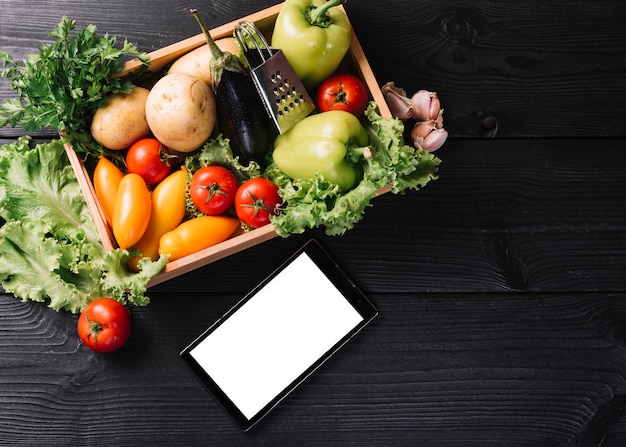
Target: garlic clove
pixel 399 104
pixel 427 136
pixel 426 105
pixel 392 86
pixel 435 140
pixel 422 129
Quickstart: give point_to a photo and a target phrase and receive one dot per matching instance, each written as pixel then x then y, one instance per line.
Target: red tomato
pixel 150 159
pixel 104 325
pixel 343 92
pixel 213 189
pixel 256 200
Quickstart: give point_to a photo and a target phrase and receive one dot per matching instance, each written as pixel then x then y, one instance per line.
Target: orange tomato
pixel 131 214
pixel 168 211
pixel 106 181
pixel 197 234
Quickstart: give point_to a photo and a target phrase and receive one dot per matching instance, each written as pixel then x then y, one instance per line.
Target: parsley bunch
pixel 64 84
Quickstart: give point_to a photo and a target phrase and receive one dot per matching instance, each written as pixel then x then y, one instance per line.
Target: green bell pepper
pixel 314 36
pixel 326 144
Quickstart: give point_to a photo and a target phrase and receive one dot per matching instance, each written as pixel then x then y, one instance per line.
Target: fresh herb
pixel 64 84
pixel 318 202
pixel 49 248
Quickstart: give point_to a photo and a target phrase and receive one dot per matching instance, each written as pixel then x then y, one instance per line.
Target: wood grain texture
pixel 541 70
pixel 441 369
pixel 537 68
pixel 500 286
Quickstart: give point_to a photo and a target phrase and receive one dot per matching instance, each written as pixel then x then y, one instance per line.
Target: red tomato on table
pixel 104 325
pixel 343 92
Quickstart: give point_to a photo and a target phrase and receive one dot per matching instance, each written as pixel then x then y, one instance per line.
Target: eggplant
pixel 241 113
pixel 243 119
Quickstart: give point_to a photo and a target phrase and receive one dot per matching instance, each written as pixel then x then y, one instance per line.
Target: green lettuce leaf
pixel 36 267
pixel 318 203
pixel 49 247
pixel 39 184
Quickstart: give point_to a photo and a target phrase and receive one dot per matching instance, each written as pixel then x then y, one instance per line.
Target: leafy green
pixel 64 84
pixel 317 202
pixel 49 247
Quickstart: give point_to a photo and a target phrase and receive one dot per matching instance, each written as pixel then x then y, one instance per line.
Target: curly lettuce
pixel 317 202
pixel 50 250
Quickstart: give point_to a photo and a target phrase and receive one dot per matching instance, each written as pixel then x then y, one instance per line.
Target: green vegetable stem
pixel 320 144
pixel 314 36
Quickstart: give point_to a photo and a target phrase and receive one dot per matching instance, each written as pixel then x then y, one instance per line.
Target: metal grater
pixel 282 92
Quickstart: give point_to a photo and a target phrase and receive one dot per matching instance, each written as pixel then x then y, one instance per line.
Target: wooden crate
pixel 355 62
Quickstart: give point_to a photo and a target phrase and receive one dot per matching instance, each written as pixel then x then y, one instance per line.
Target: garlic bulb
pixel 424 107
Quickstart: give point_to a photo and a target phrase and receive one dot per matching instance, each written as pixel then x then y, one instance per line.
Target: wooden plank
pixel 540 70
pixel 500 286
pixel 455 369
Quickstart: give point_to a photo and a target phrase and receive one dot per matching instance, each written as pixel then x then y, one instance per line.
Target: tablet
pixel 278 334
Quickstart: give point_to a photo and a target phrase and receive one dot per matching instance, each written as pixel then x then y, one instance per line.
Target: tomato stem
pixel 94 329
pixel 213 188
pixel 258 203
pixel 340 95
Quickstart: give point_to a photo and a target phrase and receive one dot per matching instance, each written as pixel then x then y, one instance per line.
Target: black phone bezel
pixel 338 278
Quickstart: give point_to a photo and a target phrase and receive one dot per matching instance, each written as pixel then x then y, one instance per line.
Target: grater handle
pixel 249 39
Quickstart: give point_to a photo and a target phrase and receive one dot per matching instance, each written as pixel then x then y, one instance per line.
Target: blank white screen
pixel 276 335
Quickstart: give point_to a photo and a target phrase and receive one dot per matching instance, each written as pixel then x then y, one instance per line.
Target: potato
pixel 180 110
pixel 197 62
pixel 122 120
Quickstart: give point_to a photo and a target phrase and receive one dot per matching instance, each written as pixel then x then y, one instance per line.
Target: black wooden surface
pixel 501 286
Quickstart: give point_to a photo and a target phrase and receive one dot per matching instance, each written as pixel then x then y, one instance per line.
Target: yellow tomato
pixel 106 181
pixel 168 211
pixel 197 234
pixel 132 211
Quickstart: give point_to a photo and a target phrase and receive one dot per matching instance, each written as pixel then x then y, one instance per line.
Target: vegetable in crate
pixel 64 84
pixel 131 213
pixel 343 92
pixel 310 203
pixel 241 115
pixel 180 111
pixel 198 62
pixel 314 36
pixel 256 200
pixel 106 181
pixel 50 250
pixel 150 159
pixel 322 144
pixel 212 189
pixel 196 234
pixel 166 213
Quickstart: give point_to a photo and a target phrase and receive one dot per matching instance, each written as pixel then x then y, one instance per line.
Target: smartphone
pixel 278 334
